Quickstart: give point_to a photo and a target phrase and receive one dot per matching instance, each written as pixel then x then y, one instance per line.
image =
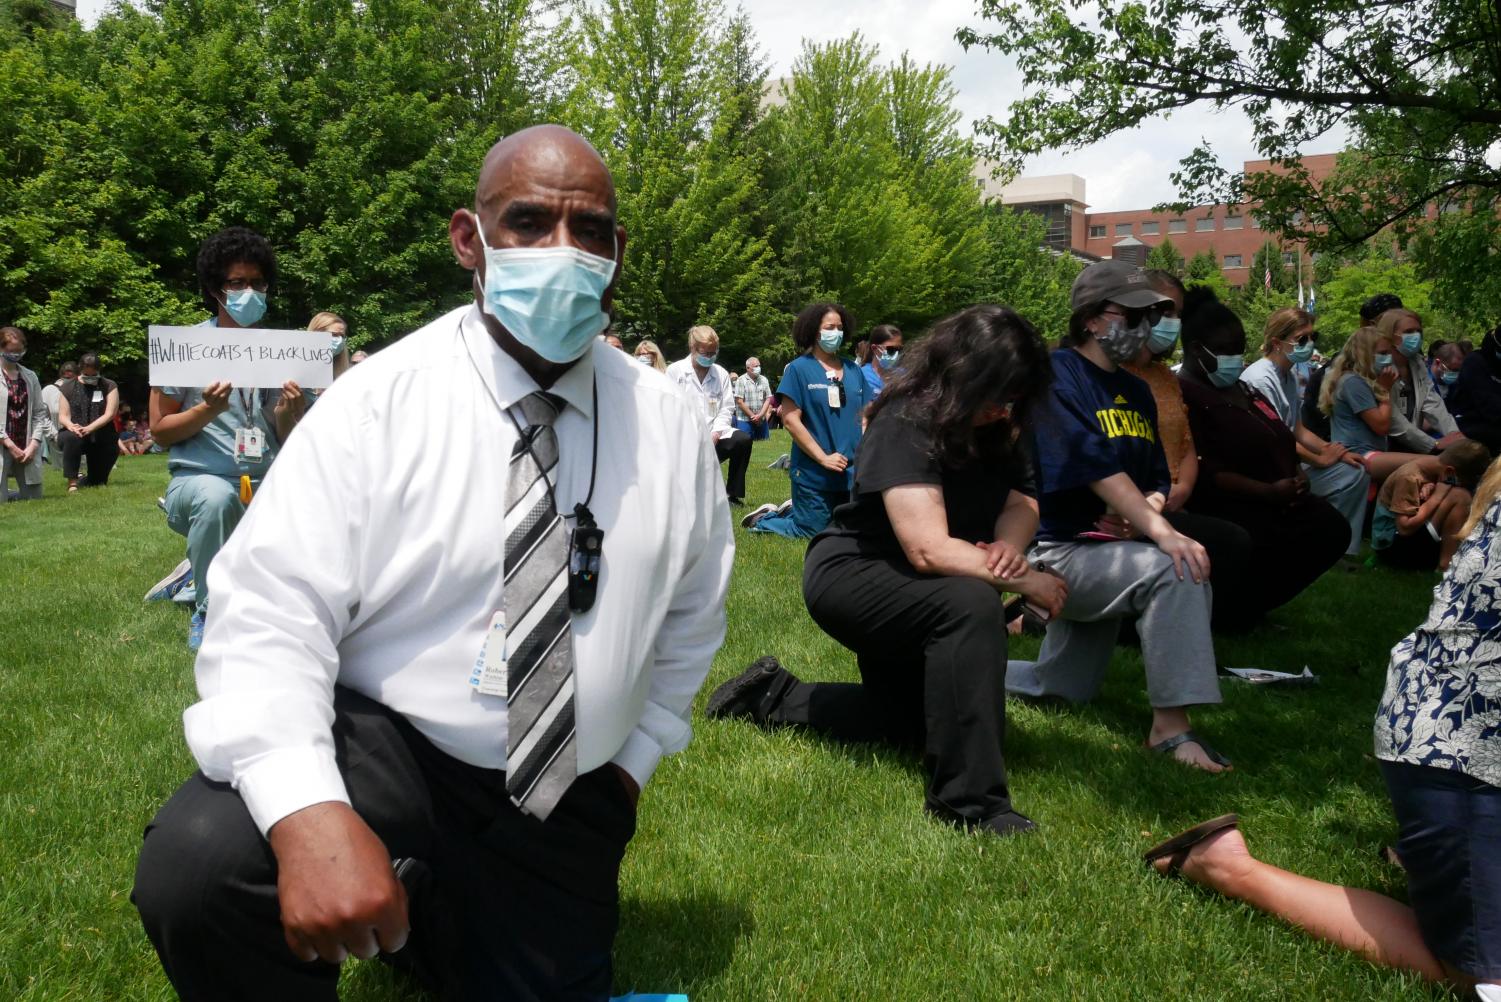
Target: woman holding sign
pixel 217 434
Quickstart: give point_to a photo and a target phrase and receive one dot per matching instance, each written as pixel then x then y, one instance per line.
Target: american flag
pixel 1267 281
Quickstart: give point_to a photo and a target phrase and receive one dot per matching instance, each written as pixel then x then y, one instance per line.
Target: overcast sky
pixel 1127 171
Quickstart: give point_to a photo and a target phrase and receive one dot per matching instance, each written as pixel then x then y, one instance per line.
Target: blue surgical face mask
pixel 1164 335
pixel 645 360
pixel 1449 378
pixel 549 298
pixel 889 359
pixel 1412 344
pixel 12 357
pixel 245 307
pixel 704 361
pixel 1226 371
pixel 338 344
pixel 1383 362
pixel 830 341
pixel 1301 353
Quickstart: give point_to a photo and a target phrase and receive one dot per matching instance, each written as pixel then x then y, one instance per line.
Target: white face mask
pixel 754 370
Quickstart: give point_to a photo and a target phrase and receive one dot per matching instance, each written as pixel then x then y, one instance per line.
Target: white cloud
pixel 1127 171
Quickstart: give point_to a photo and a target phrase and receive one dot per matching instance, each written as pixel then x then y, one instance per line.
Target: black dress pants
pixel 736 447
pixel 99 450
pixel 502 906
pixel 1237 606
pixel 1291 548
pixel 932 658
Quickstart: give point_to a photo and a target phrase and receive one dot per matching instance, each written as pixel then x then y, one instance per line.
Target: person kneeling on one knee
pixel 1104 482
pixel 910 575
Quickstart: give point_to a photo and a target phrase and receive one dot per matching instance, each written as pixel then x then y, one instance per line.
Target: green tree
pixel 1414 84
pixel 1268 261
pixel 1166 257
pixel 1378 268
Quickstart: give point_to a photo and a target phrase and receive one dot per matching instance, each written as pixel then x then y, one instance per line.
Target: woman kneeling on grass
pixel 1438 737
pixel 909 576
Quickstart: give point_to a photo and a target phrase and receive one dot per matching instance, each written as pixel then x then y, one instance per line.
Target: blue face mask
pixel 1383 362
pixel 549 298
pixel 1164 335
pixel 1301 353
pixel 1227 369
pixel 704 361
pixel 830 341
pixel 889 359
pixel 245 307
pixel 1449 378
pixel 1412 344
pixel 338 344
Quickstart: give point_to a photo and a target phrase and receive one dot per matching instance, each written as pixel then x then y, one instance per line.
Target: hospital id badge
pixel 250 444
pixel 834 400
pixel 489 672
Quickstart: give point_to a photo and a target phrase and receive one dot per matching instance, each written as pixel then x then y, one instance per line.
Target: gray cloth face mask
pixel 1123 344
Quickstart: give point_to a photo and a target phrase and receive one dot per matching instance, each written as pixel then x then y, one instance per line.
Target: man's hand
pixel 334 881
pixel 834 462
pixel 216 397
pixel 628 781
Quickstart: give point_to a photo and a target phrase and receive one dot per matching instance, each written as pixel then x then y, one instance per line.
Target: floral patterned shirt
pixel 1442 705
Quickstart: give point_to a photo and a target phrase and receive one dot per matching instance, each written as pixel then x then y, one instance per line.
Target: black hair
pixel 986 354
pixel 1378 304
pixel 68 366
pixel 805 327
pixel 1434 347
pixel 226 248
pixel 1078 334
pixel 1157 276
pixel 881 333
pixel 88 361
pixel 1205 318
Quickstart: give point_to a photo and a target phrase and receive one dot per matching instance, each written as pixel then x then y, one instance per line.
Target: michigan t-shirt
pixel 1092 424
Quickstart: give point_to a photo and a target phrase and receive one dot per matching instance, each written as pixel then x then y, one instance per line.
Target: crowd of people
pixel 449 698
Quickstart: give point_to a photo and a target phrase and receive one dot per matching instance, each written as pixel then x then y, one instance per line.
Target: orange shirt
pixel 1172 413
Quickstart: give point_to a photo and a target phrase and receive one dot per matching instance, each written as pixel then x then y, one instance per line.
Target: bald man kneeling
pixel 425 720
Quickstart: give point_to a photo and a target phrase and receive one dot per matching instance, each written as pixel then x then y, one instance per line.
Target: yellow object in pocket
pixel 245 492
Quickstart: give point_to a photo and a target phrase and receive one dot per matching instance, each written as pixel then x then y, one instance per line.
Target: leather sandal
pixel 1166 747
pixel 1177 848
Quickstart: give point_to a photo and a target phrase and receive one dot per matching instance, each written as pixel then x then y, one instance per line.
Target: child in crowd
pixel 1423 504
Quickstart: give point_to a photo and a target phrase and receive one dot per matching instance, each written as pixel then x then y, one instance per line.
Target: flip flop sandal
pixel 1189 737
pixel 1177 848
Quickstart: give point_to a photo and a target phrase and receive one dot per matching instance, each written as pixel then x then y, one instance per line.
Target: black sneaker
pixel 753 694
pixel 1004 823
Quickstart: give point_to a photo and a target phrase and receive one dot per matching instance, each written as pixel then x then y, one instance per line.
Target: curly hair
pixel 1357 358
pixel 986 354
pixel 226 248
pixel 805 327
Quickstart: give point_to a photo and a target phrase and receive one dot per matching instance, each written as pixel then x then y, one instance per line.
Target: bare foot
pixel 1221 862
pixel 1190 753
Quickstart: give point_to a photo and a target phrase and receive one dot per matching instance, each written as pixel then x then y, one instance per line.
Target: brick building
pixel 1231 232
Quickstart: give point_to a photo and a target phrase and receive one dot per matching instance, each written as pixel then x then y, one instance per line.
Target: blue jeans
pixel 811 511
pixel 1449 838
pixel 756 432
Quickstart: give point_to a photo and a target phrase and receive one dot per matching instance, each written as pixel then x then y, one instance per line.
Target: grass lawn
pixel 767 865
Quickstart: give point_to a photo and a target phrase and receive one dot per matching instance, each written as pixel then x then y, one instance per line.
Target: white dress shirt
pixel 372 557
pixel 713 396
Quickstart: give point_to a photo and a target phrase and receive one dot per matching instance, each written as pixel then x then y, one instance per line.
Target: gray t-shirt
pixel 1352 397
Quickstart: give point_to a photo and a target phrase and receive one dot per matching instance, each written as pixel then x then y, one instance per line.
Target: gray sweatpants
pixel 1107 582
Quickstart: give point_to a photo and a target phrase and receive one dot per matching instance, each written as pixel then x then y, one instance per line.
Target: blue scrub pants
pixel 811 511
pixel 206 509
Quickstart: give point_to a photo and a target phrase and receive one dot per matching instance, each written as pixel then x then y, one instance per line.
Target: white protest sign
pixel 248 358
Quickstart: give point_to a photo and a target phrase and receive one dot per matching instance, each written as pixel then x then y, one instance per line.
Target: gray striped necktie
pixel 541 758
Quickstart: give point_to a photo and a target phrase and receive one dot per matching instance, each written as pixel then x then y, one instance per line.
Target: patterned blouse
pixel 18 403
pixel 1172 413
pixel 1442 705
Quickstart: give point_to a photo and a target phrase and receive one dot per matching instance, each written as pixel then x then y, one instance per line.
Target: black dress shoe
pixel 753 694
